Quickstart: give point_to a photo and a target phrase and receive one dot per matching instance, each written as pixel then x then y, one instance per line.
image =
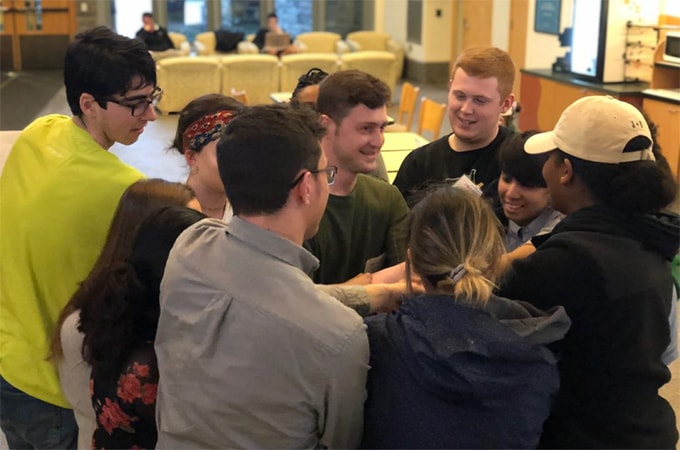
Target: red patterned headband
pixel 205 130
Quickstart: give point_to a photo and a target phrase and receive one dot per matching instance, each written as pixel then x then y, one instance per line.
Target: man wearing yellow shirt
pixel 58 192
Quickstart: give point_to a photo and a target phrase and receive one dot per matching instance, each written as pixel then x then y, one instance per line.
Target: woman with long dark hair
pixel 119 323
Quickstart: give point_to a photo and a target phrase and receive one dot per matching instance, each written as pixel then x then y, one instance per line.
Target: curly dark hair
pixel 313 77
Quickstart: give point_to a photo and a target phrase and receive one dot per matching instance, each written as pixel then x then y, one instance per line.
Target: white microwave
pixel 671 51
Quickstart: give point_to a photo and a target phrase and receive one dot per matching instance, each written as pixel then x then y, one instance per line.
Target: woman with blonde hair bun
pixel 459 367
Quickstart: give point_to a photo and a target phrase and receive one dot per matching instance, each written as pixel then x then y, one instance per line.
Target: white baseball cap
pixel 598 128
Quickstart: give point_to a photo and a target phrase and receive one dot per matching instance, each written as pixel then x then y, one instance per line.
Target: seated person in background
pixel 608 263
pixel 480 91
pixel 272 27
pixel 250 353
pixel 119 324
pixel 154 36
pixel 459 367
pixel 138 201
pixel 199 127
pixel 524 196
pixel 363 227
pixel 307 92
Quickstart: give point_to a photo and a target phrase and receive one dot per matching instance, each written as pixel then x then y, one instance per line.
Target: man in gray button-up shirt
pixel 251 354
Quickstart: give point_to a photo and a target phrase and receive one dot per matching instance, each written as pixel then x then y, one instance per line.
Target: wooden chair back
pixel 407 104
pixel 431 117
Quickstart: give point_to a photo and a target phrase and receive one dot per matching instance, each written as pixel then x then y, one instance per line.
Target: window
pixel 188 17
pixel 127 16
pixel 240 15
pixel 415 21
pixel 345 16
pixel 295 16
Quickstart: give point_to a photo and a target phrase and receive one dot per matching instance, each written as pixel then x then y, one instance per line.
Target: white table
pixel 396 147
pixel 280 97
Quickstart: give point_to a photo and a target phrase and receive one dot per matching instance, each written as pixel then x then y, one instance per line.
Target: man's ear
pixel 507 103
pixel 303 189
pixel 87 103
pixel 328 123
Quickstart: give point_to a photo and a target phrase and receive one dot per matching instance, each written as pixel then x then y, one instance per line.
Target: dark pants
pixel 31 423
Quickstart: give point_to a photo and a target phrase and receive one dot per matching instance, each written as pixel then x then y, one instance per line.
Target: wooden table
pixel 396 147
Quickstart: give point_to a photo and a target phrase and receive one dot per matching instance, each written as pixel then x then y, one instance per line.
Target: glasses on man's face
pixel 331 172
pixel 138 106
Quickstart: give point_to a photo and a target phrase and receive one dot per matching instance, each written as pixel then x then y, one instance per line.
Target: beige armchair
pixel 184 78
pixel 257 75
pixel 377 63
pixel 321 42
pixel 375 40
pixel 181 44
pixel 293 66
pixel 206 42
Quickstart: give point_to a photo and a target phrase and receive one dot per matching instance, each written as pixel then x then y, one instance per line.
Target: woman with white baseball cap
pixel 608 264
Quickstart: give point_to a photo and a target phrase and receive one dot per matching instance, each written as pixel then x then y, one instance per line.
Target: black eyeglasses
pixel 331 172
pixel 139 106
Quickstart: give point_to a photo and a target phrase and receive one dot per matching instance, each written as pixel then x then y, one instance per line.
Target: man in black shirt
pixel 479 92
pixel 154 36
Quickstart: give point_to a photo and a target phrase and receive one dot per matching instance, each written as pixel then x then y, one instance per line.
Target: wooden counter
pixel 546 94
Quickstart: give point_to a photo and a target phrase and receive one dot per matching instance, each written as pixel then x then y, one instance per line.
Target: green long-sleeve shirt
pixel 361 232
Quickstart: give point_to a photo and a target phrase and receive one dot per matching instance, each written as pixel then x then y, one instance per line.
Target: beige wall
pixel 437 30
pixel 391 17
pixel 501 24
pixel 541 51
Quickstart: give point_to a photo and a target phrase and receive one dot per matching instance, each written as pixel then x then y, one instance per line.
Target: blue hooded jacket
pixel 447 375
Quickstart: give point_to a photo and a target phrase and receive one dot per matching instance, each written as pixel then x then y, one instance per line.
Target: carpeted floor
pixel 24 94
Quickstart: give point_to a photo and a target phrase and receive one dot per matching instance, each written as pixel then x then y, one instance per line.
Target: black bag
pixel 227 41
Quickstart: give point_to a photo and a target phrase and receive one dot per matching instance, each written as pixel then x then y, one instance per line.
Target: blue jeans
pixel 31 423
